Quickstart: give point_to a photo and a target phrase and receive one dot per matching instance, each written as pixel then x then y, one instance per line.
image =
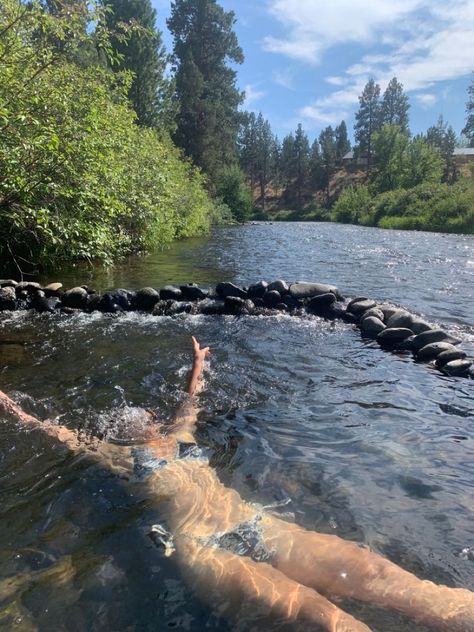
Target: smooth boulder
pixel 7 298
pixel 431 351
pixel 376 312
pixel 394 335
pixel 170 293
pixel 432 335
pixel 308 290
pixel 448 356
pixel 321 304
pixel 257 290
pixel 145 299
pixel 226 289
pixel 372 326
pixel 457 367
pixel 76 298
pixel 360 305
pixel 271 298
pixel 280 286
pixel 192 292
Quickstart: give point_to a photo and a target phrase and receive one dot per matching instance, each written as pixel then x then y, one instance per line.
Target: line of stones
pixel 395 329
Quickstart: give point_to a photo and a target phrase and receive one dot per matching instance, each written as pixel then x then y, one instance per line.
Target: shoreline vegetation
pixel 110 146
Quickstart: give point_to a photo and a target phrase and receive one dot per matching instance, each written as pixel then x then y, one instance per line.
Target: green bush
pixel 78 178
pixel 232 190
pixel 432 207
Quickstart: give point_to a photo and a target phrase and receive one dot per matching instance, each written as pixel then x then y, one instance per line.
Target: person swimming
pixel 241 559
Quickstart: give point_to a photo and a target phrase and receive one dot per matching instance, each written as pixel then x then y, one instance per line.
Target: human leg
pixel 334 566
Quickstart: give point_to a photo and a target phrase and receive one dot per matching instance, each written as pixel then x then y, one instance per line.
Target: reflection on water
pixel 364 444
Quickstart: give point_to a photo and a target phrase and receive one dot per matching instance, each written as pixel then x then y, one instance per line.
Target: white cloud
pixel 421 42
pixel 252 94
pixel 425 99
pixel 283 78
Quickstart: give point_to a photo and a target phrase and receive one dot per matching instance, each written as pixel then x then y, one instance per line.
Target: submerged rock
pixel 321 304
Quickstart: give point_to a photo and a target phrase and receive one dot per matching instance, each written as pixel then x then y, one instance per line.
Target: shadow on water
pixel 342 437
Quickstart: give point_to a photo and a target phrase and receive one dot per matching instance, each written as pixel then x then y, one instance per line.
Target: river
pixel 357 441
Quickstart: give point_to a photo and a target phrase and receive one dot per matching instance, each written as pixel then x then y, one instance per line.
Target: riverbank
pixel 429 207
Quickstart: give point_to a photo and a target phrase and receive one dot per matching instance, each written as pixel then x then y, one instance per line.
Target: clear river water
pixel 351 439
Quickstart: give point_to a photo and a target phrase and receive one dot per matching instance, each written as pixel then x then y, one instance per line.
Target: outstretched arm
pixel 199 355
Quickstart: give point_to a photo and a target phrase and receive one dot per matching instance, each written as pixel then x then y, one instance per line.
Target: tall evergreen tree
pixel 248 146
pixel 395 106
pixel 468 130
pixel 301 164
pixel 443 137
pixel 265 155
pixel 328 158
pixel 368 120
pixel 143 53
pixel 342 141
pixel 316 170
pixel 287 160
pixel 206 91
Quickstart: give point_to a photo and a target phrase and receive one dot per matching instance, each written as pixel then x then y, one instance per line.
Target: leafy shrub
pixel 233 191
pixel 78 178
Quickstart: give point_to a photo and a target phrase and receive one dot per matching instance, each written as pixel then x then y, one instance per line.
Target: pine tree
pixel 208 119
pixel 316 168
pixel 343 144
pixel 328 158
pixel 265 155
pixel 395 106
pixel 248 147
pixel 368 120
pixel 287 160
pixel 143 53
pixel 301 157
pixel 443 137
pixel 468 130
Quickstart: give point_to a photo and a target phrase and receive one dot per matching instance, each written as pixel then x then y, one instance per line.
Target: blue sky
pixel 308 60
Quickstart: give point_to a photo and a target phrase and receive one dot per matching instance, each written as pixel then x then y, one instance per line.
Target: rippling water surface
pixel 362 443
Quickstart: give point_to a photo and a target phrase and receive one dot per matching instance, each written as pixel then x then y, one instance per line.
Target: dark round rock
pixel 418 326
pixel 449 356
pixel 258 302
pixel 27 286
pixel 145 299
pixel 308 290
pixel 211 307
pixel 93 301
pixel 280 286
pixel 42 304
pixel 388 310
pixel 271 298
pixel 372 326
pixel 282 307
pixel 53 289
pixel 457 367
pixel 8 298
pixel 360 305
pixel 375 312
pixel 291 302
pixel 257 290
pixel 432 335
pixel 401 318
pixel 223 290
pixel 432 350
pixel 348 317
pixel 76 298
pixel 193 292
pixel 407 344
pixel 170 293
pixel 106 304
pixel 393 336
pixel 237 306
pixel 321 304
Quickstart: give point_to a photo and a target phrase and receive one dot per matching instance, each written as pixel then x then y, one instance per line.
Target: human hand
pixel 199 354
